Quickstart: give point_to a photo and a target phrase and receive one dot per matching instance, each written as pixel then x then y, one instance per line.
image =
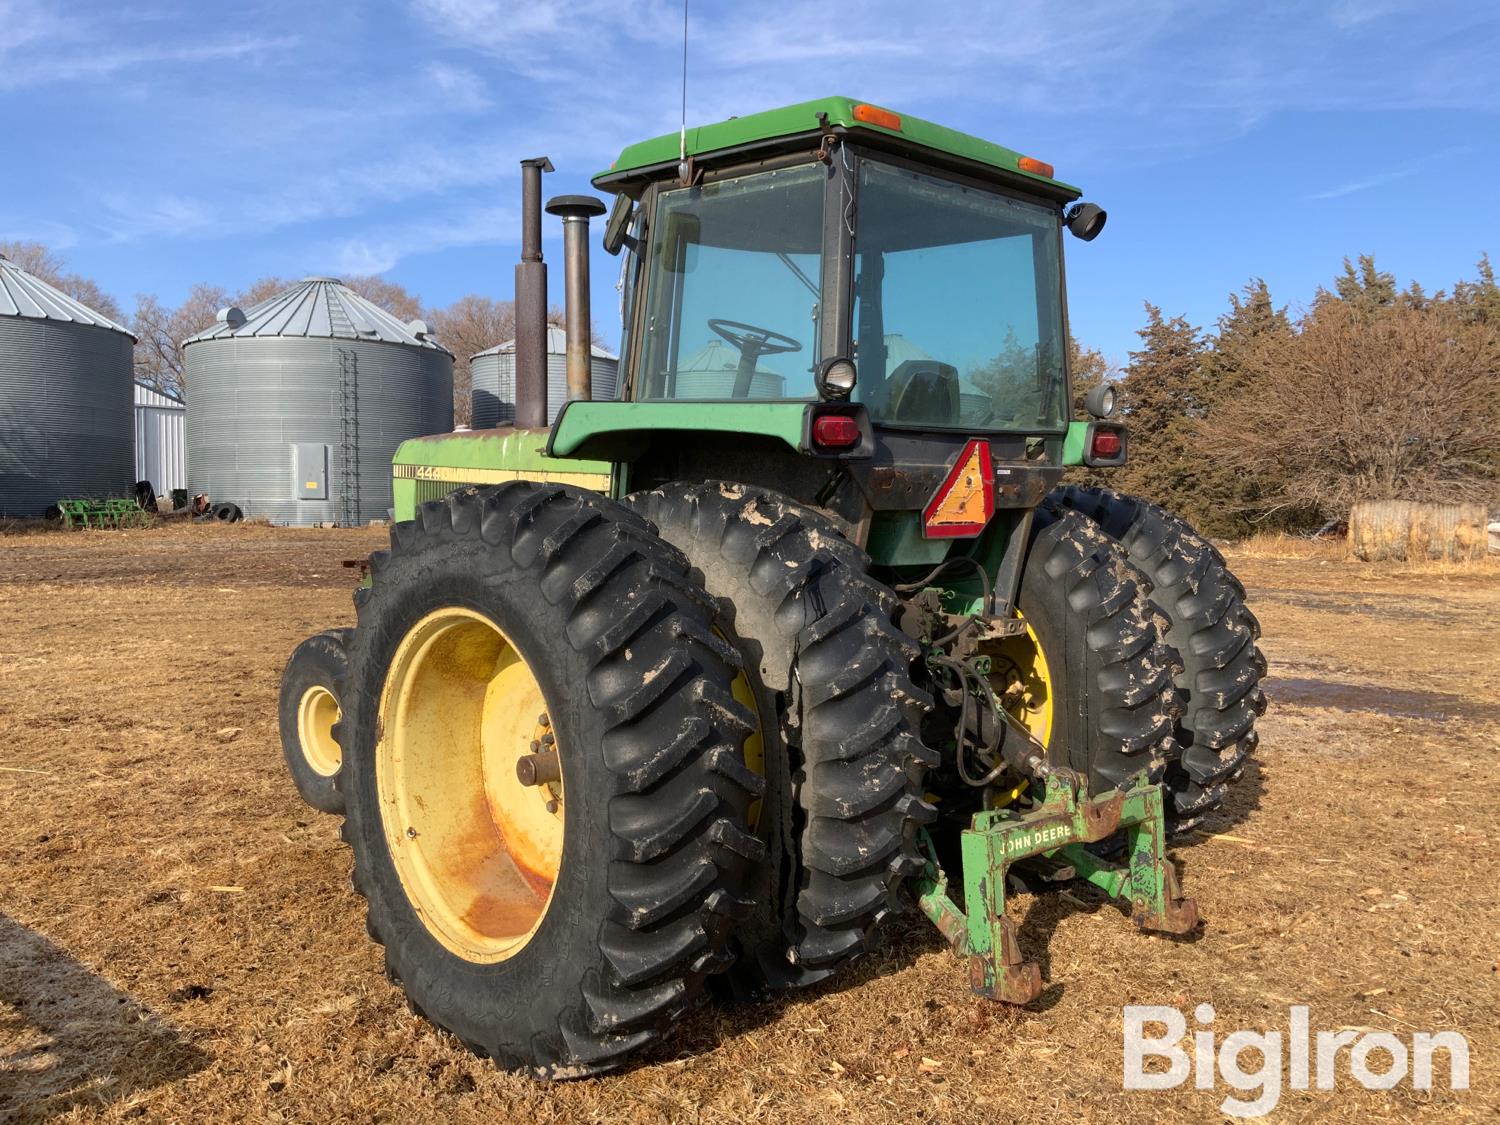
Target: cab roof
pixel 859 120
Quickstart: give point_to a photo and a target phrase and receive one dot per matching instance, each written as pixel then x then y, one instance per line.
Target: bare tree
pixel 163 331
pixel 41 262
pixel 261 290
pixel 1366 402
pixel 469 325
pixel 393 298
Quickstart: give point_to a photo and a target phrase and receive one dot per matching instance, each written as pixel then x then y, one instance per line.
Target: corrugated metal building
pixel 160 444
pixel 65 398
pixel 492 397
pixel 296 405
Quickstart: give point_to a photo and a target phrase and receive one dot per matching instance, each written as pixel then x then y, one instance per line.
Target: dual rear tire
pixel 555 927
pixel 547 706
pixel 838 718
pixel 1211 633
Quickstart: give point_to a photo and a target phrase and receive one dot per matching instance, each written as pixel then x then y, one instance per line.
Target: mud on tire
pixel 839 714
pixel 655 855
pixel 1214 635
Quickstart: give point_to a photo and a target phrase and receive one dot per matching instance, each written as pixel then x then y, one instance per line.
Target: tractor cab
pixel 836 282
pixel 940 287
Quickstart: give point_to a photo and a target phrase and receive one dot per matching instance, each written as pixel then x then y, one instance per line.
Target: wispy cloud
pixel 1364 185
pixel 1391 175
pixel 459 87
pixel 379 250
pixel 1210 58
pixel 55 236
pixel 40 49
pixel 375 132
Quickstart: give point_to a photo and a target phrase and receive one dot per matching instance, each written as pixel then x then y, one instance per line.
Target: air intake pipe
pixel 575 212
pixel 531 302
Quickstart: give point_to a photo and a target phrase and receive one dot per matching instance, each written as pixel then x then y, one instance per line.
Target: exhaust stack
pixel 575 212
pixel 531 302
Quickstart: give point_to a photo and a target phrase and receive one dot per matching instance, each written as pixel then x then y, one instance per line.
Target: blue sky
pixel 156 144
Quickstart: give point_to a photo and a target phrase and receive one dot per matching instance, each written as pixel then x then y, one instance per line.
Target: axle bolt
pixel 538 769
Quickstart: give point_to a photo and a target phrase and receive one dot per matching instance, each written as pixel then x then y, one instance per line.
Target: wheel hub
pixel 317 712
pixel 477 851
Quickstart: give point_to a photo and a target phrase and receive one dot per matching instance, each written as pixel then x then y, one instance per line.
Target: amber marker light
pixel 874 115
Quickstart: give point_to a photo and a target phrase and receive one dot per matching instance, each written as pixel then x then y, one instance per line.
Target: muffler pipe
pixel 575 212
pixel 531 302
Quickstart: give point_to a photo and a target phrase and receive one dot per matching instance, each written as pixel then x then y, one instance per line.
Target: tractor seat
pixel 923 392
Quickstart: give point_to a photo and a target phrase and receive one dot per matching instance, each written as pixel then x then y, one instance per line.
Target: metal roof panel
pixel 26 295
pixel 320 308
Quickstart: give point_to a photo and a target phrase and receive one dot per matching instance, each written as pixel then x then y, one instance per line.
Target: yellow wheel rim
pixel 477 852
pixel 755 745
pixel 1022 679
pixel 317 712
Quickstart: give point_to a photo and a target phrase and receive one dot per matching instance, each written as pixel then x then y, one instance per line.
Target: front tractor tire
pixel 838 717
pixel 545 786
pixel 1214 634
pixel 312 686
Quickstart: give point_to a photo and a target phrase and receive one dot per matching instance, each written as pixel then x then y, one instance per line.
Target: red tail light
pixel 835 431
pixel 1106 444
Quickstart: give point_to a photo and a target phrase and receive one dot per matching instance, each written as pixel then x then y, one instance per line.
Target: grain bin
pixel 66 413
pixel 493 396
pixel 296 405
pixel 710 372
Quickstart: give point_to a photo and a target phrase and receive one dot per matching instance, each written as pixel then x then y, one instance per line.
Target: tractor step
pixel 1058 827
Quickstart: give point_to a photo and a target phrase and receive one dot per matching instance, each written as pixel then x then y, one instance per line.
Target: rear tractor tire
pixel 312 685
pixel 1098 678
pixel 1214 635
pixel 829 675
pixel 547 796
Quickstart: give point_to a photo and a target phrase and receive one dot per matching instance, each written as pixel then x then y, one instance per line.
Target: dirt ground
pixel 179 940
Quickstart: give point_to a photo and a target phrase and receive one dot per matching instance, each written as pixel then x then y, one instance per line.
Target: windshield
pixel 733 290
pixel 958 306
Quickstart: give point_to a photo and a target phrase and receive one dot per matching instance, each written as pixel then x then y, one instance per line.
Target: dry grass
pixel 178 940
pixel 1279 545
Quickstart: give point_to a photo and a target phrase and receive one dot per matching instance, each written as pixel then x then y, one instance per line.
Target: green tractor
pixel 686 692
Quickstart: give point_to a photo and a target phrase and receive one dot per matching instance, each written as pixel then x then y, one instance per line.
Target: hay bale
pixel 1407 531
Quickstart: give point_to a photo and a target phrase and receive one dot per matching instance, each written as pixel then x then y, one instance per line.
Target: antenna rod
pixel 682 133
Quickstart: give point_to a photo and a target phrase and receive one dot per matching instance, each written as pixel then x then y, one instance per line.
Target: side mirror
pixel 1086 220
pixel 618 223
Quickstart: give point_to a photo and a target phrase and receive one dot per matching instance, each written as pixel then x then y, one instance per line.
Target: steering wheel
pixel 752 342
